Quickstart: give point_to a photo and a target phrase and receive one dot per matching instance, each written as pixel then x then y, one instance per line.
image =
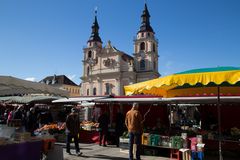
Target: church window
pixel 142 46
pixel 94 91
pixel 90 54
pixel 88 70
pixel 148 34
pixel 142 35
pixel 108 88
pixel 142 64
pixel 154 47
pixel 87 92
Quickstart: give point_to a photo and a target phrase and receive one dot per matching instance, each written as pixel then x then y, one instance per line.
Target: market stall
pixel 15 142
pixel 204 82
pixel 86 110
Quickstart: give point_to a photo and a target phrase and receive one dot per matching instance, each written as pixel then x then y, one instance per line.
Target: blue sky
pixel 39 38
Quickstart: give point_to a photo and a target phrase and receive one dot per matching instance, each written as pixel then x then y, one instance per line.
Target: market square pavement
pixel 111 152
pixel 95 152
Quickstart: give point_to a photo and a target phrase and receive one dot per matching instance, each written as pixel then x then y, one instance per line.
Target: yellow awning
pixel 190 83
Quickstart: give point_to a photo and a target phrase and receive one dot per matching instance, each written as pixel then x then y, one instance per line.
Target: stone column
pixel 118 86
pixel 99 89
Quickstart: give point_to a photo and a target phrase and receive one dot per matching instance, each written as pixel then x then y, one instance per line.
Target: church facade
pixel 106 70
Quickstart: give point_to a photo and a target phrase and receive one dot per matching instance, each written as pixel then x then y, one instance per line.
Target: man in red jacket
pixel 134 122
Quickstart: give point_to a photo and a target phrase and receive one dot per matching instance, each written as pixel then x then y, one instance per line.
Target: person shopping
pixel 72 131
pixel 134 123
pixel 103 121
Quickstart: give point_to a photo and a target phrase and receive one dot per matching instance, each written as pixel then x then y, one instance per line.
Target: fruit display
pixel 53 127
pixel 88 125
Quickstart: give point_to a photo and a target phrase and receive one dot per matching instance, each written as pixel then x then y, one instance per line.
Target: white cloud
pixel 33 79
pixel 72 77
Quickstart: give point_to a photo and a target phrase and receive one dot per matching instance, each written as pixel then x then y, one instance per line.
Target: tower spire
pixel 145 26
pixel 95 27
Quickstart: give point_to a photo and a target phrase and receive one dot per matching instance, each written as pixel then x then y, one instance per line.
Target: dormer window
pixel 142 46
pixel 48 82
pixel 142 64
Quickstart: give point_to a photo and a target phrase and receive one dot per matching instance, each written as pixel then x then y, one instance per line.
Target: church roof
pixel 60 79
pixel 109 46
pixel 114 49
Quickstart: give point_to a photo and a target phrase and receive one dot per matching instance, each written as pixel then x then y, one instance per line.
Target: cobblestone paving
pixel 96 152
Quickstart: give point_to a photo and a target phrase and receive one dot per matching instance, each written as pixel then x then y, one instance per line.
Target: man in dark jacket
pixel 72 130
pixel 103 121
pixel 31 123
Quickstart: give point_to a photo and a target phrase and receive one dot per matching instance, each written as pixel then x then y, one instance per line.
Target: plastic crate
pixel 145 138
pixel 176 142
pixel 154 140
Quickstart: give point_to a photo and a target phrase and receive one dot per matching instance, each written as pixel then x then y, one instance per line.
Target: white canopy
pixel 78 99
pixel 178 100
pixel 12 86
pixel 130 99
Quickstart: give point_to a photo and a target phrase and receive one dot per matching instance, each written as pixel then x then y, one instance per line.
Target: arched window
pixel 154 47
pixel 142 46
pixel 87 92
pixel 94 91
pixel 88 70
pixel 108 89
pixel 89 54
pixel 142 64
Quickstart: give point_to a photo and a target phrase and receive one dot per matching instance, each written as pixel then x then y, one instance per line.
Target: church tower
pixel 105 68
pixel 94 46
pixel 146 50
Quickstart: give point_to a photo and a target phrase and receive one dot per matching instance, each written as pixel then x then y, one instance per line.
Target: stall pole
pixel 111 112
pixel 219 124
